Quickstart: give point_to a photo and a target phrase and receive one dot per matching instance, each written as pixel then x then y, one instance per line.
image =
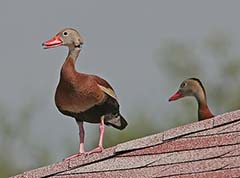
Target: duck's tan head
pixel 67 37
pixel 189 87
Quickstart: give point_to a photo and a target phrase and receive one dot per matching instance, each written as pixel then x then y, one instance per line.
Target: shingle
pixel 201 166
pixel 196 155
pixel 130 173
pixel 226 118
pixel 48 170
pixel 235 152
pixel 116 163
pixel 187 129
pixel 182 144
pixel 235 172
pixel 83 160
pixel 232 127
pixel 140 143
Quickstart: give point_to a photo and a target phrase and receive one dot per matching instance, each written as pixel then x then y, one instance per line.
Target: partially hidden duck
pixel 86 98
pixel 194 87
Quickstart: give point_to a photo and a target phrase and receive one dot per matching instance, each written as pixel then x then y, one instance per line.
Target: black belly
pixel 109 108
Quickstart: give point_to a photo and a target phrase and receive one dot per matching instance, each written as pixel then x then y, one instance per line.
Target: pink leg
pixel 81 142
pixel 81 136
pixel 100 144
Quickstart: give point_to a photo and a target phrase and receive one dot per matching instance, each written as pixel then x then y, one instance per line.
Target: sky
pixel 121 38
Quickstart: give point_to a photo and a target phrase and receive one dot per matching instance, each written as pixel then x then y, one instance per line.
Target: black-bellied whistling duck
pixel 194 87
pixel 87 98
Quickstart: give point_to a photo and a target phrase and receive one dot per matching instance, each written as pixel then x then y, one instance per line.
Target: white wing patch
pixel 108 91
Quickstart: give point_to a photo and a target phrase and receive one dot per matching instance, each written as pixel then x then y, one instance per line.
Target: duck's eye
pixel 184 84
pixel 65 33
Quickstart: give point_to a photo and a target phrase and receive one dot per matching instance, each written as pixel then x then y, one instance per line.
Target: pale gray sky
pixel 121 38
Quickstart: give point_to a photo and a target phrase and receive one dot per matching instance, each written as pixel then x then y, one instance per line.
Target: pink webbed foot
pixel 96 150
pixel 74 156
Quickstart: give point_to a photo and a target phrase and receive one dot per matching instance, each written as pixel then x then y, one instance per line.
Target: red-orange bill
pixel 54 42
pixel 176 96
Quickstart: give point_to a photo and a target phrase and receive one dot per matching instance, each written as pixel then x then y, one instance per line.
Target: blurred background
pixel 145 49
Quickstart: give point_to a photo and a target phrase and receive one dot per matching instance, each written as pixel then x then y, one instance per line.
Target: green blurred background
pixel 145 49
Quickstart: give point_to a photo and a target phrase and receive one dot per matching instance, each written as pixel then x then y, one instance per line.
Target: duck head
pixel 189 87
pixel 67 37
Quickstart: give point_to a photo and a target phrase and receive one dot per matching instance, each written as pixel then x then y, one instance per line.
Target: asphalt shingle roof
pixel 209 148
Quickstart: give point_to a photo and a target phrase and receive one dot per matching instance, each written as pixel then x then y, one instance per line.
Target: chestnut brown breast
pixel 77 96
pixel 76 92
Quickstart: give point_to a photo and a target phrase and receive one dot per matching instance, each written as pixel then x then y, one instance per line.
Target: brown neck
pixel 203 109
pixel 204 113
pixel 68 69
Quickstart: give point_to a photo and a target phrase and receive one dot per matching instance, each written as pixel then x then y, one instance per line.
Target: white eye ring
pixel 184 84
pixel 65 33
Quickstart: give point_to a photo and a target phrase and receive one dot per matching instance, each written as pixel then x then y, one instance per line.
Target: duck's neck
pixel 73 53
pixel 68 69
pixel 203 109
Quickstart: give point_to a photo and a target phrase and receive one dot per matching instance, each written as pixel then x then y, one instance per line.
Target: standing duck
pixel 194 87
pixel 86 98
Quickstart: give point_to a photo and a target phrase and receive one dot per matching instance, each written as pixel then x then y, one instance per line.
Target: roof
pixel 209 148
